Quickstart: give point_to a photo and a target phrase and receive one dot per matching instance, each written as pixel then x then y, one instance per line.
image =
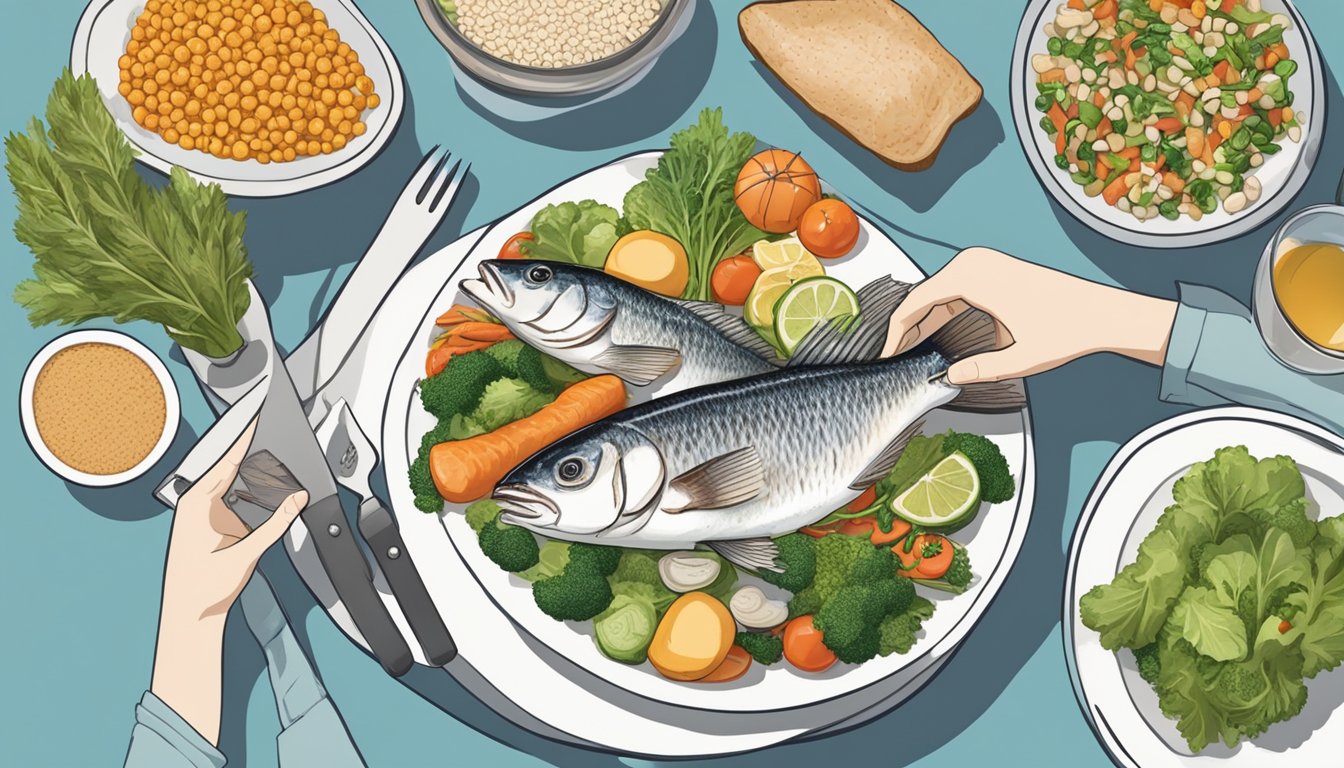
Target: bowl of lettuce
pixel 1204 611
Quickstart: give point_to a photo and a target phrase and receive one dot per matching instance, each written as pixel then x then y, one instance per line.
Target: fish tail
pixel 972 333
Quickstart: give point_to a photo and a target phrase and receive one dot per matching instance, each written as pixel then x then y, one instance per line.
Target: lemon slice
pixel 943 497
pixel 783 253
pixel 770 286
pixel 809 303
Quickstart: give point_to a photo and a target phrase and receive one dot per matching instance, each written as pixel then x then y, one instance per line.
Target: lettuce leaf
pixel 578 233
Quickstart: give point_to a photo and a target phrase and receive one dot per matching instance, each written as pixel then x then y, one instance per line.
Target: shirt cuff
pixel 1181 347
pixel 163 721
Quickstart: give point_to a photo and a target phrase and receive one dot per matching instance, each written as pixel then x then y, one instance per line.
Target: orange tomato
pixel 513 247
pixel 829 228
pixel 733 278
pixel 928 558
pixel 803 647
pixel 774 188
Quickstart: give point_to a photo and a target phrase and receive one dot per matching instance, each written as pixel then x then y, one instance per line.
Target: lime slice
pixel 771 284
pixel 809 303
pixel 780 253
pixel 946 495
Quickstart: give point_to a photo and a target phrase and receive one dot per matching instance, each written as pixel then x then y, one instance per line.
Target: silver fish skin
pixel 814 431
pixel 601 324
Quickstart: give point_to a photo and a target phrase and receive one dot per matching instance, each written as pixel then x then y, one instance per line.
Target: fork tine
pixel 449 185
pixel 428 186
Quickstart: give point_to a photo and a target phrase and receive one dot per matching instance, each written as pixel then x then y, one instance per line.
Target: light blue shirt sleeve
pixel 312 733
pixel 1216 356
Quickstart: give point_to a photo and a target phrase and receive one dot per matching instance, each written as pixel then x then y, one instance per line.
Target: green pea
pixel 1285 68
pixel 1168 209
pixel 1047 125
pixel 1148 154
pixel 1062 161
pixel 1054 45
pixel 1044 101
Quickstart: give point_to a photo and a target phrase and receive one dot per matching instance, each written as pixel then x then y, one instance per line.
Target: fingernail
pixel 301 499
pixel 963 372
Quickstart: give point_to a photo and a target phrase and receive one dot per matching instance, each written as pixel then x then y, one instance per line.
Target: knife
pixel 352 457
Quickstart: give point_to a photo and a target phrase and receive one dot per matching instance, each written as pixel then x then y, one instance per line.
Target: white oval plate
pixel 172 406
pixel 100 39
pixel 1122 509
pixel 993 542
pixel 1281 177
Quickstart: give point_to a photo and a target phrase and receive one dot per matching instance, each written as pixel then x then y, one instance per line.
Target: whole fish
pixel 602 324
pixel 733 464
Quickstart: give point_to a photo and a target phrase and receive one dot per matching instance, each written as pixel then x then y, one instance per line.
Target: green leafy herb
pixel 108 245
pixel 578 233
pixel 689 197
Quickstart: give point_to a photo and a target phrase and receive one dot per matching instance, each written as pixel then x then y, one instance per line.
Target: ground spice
pixel 99 408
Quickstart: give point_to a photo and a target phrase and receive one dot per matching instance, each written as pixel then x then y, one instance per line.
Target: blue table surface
pixel 82 568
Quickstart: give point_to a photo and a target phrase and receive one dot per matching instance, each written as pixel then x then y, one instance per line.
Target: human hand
pixel 1045 318
pixel 211 556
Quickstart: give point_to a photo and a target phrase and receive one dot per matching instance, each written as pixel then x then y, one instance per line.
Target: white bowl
pixel 172 407
pixel 1281 177
pixel 100 39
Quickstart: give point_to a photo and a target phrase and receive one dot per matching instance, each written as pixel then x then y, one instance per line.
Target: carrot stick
pixel 1055 75
pixel 1115 190
pixel 1169 124
pixel 461 313
pixel 466 470
pixel 1057 119
pixel 1176 183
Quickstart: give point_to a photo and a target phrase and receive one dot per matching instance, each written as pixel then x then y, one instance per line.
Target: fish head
pixel 562 309
pixel 596 482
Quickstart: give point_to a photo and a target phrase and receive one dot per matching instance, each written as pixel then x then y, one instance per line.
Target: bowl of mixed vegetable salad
pixel 1168 123
pixel 612 610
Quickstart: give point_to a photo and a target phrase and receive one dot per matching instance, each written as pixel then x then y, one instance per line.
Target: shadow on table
pixel 969 142
pixel 329 227
pixel 651 105
pixel 1228 266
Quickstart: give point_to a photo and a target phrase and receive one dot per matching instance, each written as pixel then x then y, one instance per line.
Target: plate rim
pixel 395 101
pixel 1123 455
pixel 1015 536
pixel 1065 197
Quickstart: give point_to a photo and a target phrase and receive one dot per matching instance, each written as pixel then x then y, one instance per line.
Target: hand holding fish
pixel 1045 318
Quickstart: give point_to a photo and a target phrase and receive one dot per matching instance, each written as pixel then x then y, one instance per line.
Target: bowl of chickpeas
pixel 263 97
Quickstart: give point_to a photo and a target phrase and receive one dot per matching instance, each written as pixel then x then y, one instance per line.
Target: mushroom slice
pixel 754 610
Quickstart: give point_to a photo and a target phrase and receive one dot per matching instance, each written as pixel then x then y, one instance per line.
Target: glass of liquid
pixel 1299 291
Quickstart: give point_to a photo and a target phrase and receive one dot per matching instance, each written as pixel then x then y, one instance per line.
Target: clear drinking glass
pixel 1318 224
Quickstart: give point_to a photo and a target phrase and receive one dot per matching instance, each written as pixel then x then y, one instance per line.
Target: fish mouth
pixel 490 289
pixel 521 504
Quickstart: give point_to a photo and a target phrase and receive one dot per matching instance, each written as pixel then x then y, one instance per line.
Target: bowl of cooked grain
pixel 553 47
pixel 98 407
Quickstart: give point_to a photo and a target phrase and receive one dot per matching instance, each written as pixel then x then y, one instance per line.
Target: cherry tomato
pixel 829 228
pixel 928 558
pixel 803 646
pixel 733 278
pixel 513 247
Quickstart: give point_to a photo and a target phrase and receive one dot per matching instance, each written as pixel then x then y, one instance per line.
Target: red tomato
pixel 733 278
pixel 929 558
pixel 829 228
pixel 513 247
pixel 803 646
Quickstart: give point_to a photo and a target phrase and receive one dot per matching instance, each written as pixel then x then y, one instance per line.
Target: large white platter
pixel 553 671
pixel 1282 176
pixel 100 39
pixel 1122 509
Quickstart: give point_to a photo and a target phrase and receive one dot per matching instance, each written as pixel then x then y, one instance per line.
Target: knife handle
pixel 349 573
pixel 380 531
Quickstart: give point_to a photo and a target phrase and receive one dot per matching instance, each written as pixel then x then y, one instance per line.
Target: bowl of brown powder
pixel 98 407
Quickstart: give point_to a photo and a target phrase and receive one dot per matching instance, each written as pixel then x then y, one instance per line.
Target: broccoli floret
pixel 996 481
pixel 512 548
pixel 798 559
pixel 530 370
pixel 638 565
pixel 858 607
pixel 427 498
pixel 603 559
pixel 763 646
pixel 863 648
pixel 893 595
pixel 578 594
pixel 1291 518
pixel 1150 664
pixel 959 572
pixel 480 513
pixel 837 556
pixel 805 602
pixel 458 388
pixel 897 631
pixel 506 354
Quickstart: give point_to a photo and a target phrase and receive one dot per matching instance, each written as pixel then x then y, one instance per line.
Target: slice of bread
pixel 867 67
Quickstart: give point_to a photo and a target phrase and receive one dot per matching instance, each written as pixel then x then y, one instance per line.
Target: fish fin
pixel 723 481
pixel 880 466
pixel 757 554
pixel 638 364
pixel 991 397
pixel 846 340
pixel 731 327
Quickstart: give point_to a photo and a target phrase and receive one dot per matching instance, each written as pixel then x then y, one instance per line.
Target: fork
pixel 418 211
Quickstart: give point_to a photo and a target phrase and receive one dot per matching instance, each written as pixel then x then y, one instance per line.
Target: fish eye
pixel 572 471
pixel 539 274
